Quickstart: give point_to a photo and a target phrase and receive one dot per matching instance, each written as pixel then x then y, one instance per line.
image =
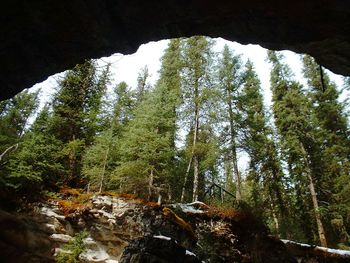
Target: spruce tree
pixel 265 171
pixel 75 111
pixel 295 124
pixel 99 160
pixel 333 137
pixel 169 88
pixel 197 86
pixel 145 149
pixel 14 118
pixel 230 80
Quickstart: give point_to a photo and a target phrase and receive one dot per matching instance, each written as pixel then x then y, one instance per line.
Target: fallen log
pixel 323 254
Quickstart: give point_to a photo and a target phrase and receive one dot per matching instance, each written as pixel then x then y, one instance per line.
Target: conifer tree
pixel 230 80
pixel 100 158
pixel 14 117
pixel 333 137
pixel 145 149
pixel 196 89
pixel 142 87
pixel 295 124
pixel 169 88
pixel 75 111
pixel 265 169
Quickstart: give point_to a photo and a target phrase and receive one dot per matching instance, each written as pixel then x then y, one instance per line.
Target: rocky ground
pixel 120 228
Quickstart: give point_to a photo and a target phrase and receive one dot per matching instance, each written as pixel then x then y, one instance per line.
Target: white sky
pixel 126 67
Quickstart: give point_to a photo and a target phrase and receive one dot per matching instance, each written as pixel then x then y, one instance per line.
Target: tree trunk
pixel 195 179
pixel 103 169
pixel 233 148
pixel 320 228
pixel 275 218
pixel 150 185
pixel 195 157
pixel 186 177
pixel 228 173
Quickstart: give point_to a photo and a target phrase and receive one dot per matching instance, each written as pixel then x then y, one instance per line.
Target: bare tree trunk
pixel 186 177
pixel 320 228
pixel 150 185
pixel 228 173
pixel 233 149
pixel 103 169
pixel 12 147
pixel 237 178
pixel 275 218
pixel 195 157
pixel 195 179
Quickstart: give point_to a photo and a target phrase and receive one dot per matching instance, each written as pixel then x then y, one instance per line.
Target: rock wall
pixel 40 38
pixel 126 230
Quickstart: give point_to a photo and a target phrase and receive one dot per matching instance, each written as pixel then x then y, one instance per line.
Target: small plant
pixel 70 252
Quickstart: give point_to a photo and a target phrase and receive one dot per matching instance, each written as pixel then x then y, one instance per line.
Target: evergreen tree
pixel 169 87
pixel 265 171
pixel 333 137
pixel 14 117
pixel 197 91
pixel 100 158
pixel 145 149
pixel 230 80
pixel 75 111
pixel 142 87
pixel 295 125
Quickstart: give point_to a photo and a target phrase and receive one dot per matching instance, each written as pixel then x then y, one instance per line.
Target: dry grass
pixel 70 191
pixel 73 200
pixel 225 213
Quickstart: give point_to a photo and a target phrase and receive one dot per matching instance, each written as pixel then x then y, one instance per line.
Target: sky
pixel 126 68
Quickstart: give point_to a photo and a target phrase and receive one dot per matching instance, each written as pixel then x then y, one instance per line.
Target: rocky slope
pixel 40 38
pixel 124 229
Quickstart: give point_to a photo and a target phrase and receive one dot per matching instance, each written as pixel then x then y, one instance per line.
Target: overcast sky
pixel 126 67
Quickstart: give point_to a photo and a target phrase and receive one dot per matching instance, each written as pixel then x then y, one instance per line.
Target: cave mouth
pixel 40 39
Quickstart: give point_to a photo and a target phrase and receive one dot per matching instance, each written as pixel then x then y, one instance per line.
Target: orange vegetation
pixel 74 200
pixel 225 213
pixel 70 191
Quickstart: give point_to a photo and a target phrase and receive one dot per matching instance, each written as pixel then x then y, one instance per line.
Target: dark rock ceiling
pixel 40 38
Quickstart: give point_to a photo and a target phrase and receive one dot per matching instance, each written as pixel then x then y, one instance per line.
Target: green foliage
pixel 36 162
pixel 70 253
pixel 265 177
pixel 145 147
pixel 75 119
pixel 333 139
pixel 14 117
pixel 98 161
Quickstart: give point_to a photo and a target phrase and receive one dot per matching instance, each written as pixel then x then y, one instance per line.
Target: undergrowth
pixel 70 252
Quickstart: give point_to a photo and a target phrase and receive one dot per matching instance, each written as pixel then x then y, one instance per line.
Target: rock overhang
pixel 40 38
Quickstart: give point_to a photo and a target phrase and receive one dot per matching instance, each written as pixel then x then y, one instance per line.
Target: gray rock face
pixel 155 249
pixel 40 38
pixel 127 230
